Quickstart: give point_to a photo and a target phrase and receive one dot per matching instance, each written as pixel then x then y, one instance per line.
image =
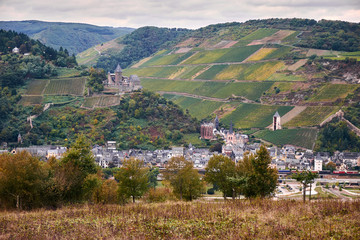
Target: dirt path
pixel 337 193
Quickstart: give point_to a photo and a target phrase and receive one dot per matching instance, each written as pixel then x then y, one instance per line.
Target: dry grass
pixel 257 219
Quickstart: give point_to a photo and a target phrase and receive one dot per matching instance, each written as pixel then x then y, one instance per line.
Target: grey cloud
pixel 175 13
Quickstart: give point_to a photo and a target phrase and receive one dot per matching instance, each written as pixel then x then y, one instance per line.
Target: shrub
pixel 159 195
pixel 210 191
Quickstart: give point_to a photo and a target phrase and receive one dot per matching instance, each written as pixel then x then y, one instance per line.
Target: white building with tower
pixel 276 122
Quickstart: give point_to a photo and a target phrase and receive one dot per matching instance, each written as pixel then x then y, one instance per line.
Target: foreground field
pixel 257 219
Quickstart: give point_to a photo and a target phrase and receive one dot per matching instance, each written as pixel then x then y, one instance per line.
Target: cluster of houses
pixel 287 157
pixel 235 146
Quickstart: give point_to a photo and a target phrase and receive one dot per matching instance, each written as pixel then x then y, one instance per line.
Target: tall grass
pixel 241 219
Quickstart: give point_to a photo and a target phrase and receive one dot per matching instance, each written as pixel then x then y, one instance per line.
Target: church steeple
pixel 231 127
pixel 216 122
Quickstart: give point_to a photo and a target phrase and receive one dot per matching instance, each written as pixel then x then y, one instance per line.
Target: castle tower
pixel 276 122
pixel 118 75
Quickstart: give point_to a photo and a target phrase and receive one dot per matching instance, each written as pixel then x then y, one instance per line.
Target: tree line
pixel 26 182
pixel 42 62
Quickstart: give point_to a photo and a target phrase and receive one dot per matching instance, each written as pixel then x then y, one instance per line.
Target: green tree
pixel 95 80
pixel 184 179
pixel 260 178
pixel 23 180
pixel 133 179
pixel 218 171
pixel 76 164
pixel 305 177
pixel 153 173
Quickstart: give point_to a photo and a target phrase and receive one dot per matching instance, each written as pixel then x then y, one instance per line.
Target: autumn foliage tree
pixel 184 179
pixel 218 171
pixel 71 171
pixel 23 181
pixel 133 179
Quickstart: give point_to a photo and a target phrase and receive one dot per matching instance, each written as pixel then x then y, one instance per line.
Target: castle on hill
pixel 123 83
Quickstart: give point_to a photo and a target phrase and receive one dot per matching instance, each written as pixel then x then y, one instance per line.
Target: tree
pixel 23 180
pixel 95 79
pixel 184 179
pixel 153 173
pixel 133 179
pixel 258 178
pixel 330 166
pixel 70 172
pixel 305 177
pixel 218 171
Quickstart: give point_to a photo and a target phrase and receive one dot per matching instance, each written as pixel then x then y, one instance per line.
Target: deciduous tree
pixel 23 180
pixel 305 177
pixel 183 178
pixel 133 179
pixel 218 171
pixel 261 179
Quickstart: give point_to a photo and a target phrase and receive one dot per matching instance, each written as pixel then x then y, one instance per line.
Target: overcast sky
pixel 175 13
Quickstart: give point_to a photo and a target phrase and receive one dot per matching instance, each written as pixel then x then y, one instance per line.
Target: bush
pixel 159 195
pixel 210 191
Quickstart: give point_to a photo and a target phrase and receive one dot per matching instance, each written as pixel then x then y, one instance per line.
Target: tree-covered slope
pixel 139 44
pixel 76 37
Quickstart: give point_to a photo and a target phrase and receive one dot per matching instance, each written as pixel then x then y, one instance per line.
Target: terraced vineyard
pixel 254 115
pixel 36 87
pixel 197 107
pixel 30 100
pixel 212 72
pixel 101 101
pixel 163 72
pixel 332 92
pixel 171 59
pixel 278 53
pixel 260 54
pixel 66 86
pixel 258 34
pixel 237 54
pixel 301 137
pixel 249 90
pixel 312 116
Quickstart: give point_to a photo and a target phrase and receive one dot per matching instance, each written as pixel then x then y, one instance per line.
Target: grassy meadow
pixel 239 219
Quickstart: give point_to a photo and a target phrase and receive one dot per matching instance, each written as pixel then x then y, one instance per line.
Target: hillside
pixel 76 37
pixel 242 72
pixel 245 72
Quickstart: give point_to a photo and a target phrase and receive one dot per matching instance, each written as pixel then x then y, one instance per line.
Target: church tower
pixel 276 122
pixel 118 75
pixel 216 122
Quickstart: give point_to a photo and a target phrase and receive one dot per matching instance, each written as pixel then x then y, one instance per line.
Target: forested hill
pixel 244 73
pixel 141 43
pixel 76 37
pixel 323 34
pixel 33 60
